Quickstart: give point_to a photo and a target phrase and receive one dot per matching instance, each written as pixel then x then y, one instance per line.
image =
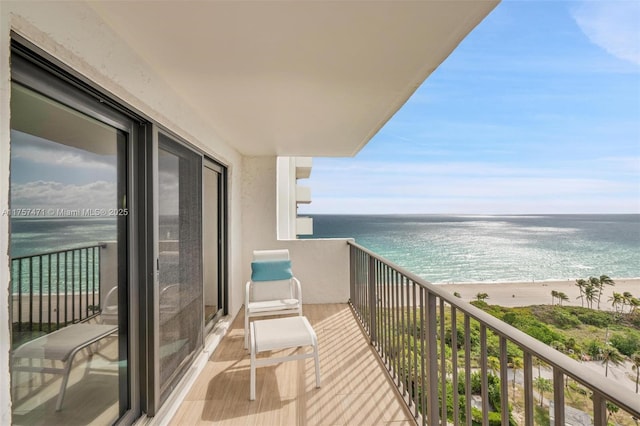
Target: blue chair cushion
pixel 271 270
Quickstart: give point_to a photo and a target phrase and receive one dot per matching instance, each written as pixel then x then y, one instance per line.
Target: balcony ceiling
pixel 312 78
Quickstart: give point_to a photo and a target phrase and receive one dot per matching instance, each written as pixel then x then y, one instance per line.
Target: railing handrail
pixel 47 253
pixel 602 385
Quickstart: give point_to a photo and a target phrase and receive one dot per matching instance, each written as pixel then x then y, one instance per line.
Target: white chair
pixel 272 290
pixel 109 312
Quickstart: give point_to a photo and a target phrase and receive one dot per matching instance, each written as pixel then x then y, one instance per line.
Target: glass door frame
pixel 35 69
pixel 222 243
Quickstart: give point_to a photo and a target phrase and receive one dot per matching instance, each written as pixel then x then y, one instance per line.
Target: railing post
pixel 352 274
pixel 454 366
pixel 558 397
pixel 432 362
pixel 504 382
pixel 599 410
pixel 372 299
pixel 484 378
pixel 528 389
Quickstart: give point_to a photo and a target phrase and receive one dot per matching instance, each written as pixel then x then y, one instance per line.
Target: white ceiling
pixel 303 78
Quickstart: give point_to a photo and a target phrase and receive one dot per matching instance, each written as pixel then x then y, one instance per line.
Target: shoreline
pixel 511 294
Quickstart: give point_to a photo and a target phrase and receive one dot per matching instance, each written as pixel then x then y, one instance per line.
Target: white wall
pixel 321 265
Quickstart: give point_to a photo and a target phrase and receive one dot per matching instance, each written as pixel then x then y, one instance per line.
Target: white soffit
pixel 297 78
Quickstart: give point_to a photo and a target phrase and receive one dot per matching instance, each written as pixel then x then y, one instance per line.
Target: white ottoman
pixel 281 333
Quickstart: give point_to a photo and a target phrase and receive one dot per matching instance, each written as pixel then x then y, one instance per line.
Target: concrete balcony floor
pixel 355 388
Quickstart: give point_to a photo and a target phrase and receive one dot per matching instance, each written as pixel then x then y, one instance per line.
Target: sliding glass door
pixel 70 222
pixel 179 284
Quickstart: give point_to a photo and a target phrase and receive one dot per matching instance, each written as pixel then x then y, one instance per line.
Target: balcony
pixel 409 325
pixel 304 225
pixel 386 357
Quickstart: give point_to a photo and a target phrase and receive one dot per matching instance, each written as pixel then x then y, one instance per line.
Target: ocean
pixel 520 248
pixel 34 235
pixel 439 248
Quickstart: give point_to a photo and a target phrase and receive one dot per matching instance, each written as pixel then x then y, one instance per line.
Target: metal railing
pixel 424 336
pixel 54 288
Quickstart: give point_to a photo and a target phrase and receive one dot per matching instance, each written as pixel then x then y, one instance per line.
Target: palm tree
pixel 543 385
pixel 590 294
pixel 517 364
pixel 539 363
pixel 562 297
pixel 554 294
pixel 635 359
pixel 617 300
pixel 580 283
pixel 626 296
pixel 482 296
pixel 634 302
pixel 602 281
pixel 595 282
pixel 611 354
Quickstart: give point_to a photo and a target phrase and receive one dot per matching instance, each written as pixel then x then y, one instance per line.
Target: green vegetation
pixel 577 329
pixel 608 337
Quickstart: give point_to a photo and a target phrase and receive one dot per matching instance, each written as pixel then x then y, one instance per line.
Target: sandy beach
pixel 538 293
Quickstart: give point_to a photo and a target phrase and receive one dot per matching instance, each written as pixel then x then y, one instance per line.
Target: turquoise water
pixel 438 248
pixel 460 249
pixel 71 271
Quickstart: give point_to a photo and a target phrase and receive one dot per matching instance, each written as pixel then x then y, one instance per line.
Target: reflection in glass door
pixel 179 285
pixel 68 236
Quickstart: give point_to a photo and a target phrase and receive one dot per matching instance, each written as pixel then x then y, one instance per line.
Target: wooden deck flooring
pixel 355 388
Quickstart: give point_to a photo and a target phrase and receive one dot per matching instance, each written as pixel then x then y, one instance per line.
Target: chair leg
pixel 317 362
pixel 63 385
pixel 246 330
pixel 252 380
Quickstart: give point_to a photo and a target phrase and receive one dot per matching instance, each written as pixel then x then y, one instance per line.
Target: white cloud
pixel 471 187
pixel 459 205
pixel 56 195
pixel 41 151
pixel 612 25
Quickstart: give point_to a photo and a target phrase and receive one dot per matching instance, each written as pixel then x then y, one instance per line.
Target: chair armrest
pixel 246 296
pixel 298 289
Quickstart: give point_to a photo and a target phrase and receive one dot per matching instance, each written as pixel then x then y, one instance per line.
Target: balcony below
pixel 355 386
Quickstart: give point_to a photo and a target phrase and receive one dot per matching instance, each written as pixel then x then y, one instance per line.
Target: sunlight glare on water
pixel 497 248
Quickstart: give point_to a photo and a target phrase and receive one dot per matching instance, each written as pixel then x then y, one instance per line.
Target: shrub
pixel 542 332
pixel 494 418
pixel 565 320
pixel 595 318
pixel 510 318
pixel 594 349
pixel 626 344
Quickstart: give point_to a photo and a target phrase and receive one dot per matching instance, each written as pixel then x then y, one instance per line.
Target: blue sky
pixel 537 111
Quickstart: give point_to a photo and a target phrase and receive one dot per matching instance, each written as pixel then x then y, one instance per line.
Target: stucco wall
pixel 321 265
